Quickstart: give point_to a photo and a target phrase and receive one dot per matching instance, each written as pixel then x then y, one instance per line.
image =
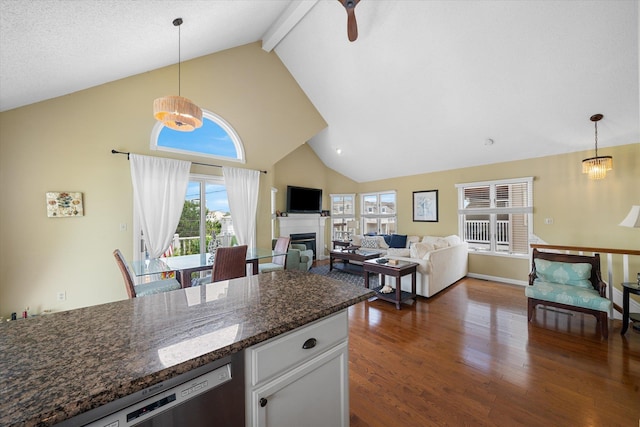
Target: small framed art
pixel 425 206
pixel 64 203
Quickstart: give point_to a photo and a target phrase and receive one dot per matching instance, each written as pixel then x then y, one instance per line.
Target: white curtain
pixel 242 190
pixel 159 189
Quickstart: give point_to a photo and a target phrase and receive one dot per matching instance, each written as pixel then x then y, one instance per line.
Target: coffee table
pixel 402 268
pixel 346 255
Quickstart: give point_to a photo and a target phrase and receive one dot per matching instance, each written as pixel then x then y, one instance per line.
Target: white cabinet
pixel 300 378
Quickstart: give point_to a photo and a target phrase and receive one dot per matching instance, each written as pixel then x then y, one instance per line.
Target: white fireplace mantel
pixel 305 223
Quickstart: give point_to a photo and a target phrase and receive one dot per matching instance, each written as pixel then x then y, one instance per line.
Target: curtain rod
pixel 194 163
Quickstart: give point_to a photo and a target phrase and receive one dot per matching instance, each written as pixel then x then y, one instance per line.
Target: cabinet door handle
pixel 310 343
pixel 263 402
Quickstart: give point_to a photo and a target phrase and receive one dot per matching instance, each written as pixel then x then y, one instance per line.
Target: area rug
pixel 354 279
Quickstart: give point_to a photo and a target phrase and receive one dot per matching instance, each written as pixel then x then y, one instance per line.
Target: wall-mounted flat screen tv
pixel 304 200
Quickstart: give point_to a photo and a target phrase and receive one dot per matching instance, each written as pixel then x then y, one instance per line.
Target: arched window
pixel 215 138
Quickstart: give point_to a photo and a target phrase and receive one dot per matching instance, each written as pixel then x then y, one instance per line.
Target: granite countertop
pixel 57 366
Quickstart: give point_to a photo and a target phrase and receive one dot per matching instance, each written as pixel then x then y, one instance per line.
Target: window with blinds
pixel 497 216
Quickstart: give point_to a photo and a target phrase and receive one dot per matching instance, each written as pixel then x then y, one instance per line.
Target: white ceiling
pixel 421 90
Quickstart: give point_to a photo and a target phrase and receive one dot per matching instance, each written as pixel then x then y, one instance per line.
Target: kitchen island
pixel 58 366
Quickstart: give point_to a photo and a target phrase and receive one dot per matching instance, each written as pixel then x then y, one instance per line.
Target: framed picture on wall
pixel 64 203
pixel 425 206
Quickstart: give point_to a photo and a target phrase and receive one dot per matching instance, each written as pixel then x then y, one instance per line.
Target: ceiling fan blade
pixel 352 25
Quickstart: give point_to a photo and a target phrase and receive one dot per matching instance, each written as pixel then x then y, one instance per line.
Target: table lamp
pixel 633 218
pixel 633 221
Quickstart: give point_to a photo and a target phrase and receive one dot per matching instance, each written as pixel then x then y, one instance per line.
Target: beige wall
pixel 300 168
pixel 303 168
pixel 64 144
pixel 584 212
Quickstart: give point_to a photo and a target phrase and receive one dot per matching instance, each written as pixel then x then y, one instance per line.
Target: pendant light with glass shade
pixel 177 112
pixel 597 166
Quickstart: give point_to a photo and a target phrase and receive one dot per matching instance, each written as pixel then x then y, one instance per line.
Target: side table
pixel 402 268
pixel 628 288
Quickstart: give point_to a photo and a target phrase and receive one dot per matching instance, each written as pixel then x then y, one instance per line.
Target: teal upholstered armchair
pixel 299 257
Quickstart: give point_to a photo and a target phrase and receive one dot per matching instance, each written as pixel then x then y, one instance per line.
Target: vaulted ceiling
pixel 422 89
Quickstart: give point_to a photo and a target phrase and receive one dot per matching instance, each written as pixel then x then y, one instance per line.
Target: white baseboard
pixel 634 307
pixel 497 279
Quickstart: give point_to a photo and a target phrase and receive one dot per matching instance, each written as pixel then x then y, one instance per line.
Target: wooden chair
pixel 143 289
pixel 591 300
pixel 229 263
pixel 278 262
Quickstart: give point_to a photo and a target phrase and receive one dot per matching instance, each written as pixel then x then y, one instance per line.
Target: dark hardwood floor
pixel 468 357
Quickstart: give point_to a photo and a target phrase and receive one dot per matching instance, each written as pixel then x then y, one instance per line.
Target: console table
pixel 402 268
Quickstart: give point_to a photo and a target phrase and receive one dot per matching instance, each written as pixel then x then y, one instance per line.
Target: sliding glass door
pixel 205 212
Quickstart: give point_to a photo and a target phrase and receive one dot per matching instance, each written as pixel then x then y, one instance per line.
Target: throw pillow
pixel 565 273
pixel 441 243
pixel 369 242
pixel 356 240
pixel 452 240
pixel 419 250
pixel 413 251
pixel 429 239
pixel 411 240
pixel 382 244
pixel 398 241
pixel 437 242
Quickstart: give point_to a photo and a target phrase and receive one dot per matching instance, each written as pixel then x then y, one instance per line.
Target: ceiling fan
pixel 352 25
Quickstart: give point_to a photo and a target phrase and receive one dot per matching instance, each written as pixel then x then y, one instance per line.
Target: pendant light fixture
pixel 597 166
pixel 177 112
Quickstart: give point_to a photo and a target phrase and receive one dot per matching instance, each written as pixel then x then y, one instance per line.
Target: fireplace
pixel 305 224
pixel 307 239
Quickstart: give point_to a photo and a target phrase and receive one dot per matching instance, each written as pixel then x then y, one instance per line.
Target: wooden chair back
pixel 282 245
pixel 595 279
pixel 126 273
pixel 229 263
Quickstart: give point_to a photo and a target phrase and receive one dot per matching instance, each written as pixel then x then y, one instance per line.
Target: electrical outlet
pixel 62 296
pixel 123 227
pixel 548 221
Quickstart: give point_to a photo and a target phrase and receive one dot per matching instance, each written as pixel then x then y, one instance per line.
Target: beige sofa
pixel 442 261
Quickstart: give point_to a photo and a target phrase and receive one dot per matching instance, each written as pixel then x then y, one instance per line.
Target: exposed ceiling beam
pixel 285 23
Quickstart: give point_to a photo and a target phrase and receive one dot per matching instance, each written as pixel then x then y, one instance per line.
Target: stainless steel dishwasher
pixel 212 395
